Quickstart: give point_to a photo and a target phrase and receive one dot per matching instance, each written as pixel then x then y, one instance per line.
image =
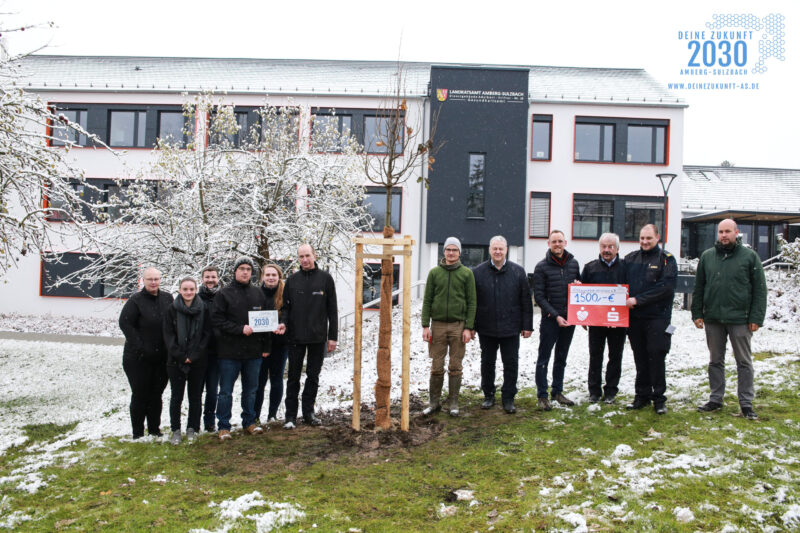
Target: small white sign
pixel 263 321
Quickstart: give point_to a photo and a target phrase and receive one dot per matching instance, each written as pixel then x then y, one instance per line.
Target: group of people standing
pixel 493 301
pixel 203 339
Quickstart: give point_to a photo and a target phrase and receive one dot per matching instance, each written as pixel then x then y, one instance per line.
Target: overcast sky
pixel 747 127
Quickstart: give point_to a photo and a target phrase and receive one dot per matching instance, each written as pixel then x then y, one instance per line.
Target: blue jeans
pixel 212 389
pixel 551 334
pixel 229 370
pixel 272 370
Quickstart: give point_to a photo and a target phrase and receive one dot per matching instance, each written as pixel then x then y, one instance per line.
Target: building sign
pixel 598 305
pixel 480 96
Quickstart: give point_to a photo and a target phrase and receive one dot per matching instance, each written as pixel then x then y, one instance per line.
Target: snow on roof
pixel 328 77
pixel 706 189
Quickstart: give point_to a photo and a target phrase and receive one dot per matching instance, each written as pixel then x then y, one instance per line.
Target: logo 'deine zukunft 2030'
pixel 731 51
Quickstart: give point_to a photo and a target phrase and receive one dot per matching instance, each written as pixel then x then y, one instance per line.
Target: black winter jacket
pixel 310 308
pixel 207 295
pixel 551 284
pixel 599 272
pixel 142 321
pixel 652 276
pixel 229 315
pixel 504 307
pixel 197 348
pixel 278 341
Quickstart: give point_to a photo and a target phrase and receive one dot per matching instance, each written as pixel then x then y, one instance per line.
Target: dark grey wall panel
pixel 482 111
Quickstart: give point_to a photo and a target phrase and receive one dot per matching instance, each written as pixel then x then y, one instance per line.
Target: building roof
pixel 327 77
pixel 716 189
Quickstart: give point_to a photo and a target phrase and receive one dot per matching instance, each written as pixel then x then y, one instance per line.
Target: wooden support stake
pixel 404 408
pixel 357 336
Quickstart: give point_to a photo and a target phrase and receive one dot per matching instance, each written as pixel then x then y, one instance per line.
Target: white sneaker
pixel 175 438
pixel 191 435
pixel 289 425
pixel 454 411
pixel 272 421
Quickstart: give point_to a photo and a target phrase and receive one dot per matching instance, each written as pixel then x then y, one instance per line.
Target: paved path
pixel 53 337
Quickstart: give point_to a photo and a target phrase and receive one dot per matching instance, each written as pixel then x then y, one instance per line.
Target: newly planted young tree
pixel 399 150
pixel 234 189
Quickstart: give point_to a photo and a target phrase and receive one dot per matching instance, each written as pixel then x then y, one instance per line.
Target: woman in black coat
pixel 187 331
pixel 273 367
pixel 144 356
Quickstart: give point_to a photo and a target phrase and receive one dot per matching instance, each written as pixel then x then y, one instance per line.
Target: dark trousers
pixel 148 379
pixel 297 353
pixel 509 353
pixel 551 334
pixel 598 337
pixel 212 391
pixel 272 369
pixel 650 344
pixel 180 381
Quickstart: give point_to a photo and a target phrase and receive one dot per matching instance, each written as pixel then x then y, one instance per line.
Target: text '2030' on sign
pixel 722 53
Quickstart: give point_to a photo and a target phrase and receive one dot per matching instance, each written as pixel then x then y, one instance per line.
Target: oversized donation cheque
pixel 263 321
pixel 597 305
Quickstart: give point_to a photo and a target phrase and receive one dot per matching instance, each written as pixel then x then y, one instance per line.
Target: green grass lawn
pixel 603 468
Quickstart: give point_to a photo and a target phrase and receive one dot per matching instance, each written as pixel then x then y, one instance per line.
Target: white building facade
pixel 557 148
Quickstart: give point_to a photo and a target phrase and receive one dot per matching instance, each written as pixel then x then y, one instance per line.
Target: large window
pixel 56 203
pixel 646 144
pixel 476 186
pixel 375 202
pixel 378 132
pixel 595 214
pixel 594 142
pixel 372 283
pixel 55 267
pixel 591 218
pixel 127 128
pixel 539 216
pixel 171 125
pixel 62 134
pixel 638 214
pixel 621 140
pixel 326 126
pixel 541 137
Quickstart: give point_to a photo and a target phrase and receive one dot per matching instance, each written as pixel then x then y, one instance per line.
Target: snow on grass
pixel 232 513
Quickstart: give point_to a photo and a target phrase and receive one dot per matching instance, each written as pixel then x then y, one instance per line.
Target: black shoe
pixel 563 400
pixel 637 404
pixel 594 398
pixel 508 407
pixel 660 409
pixel 312 420
pixel 610 399
pixel 544 404
pixel 748 413
pixel 488 403
pixel 709 407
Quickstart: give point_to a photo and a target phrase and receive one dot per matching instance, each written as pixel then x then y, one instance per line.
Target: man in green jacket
pixel 448 316
pixel 730 300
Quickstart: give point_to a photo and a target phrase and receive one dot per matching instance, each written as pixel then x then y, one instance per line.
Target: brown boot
pixel 454 383
pixel 434 404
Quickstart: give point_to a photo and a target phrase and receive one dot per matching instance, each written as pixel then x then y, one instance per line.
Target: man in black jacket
pixel 607 269
pixel 551 279
pixel 144 357
pixel 504 313
pixel 209 285
pixel 652 274
pixel 239 349
pixel 311 313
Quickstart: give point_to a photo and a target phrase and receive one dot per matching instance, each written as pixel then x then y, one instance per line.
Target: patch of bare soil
pixel 370 441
